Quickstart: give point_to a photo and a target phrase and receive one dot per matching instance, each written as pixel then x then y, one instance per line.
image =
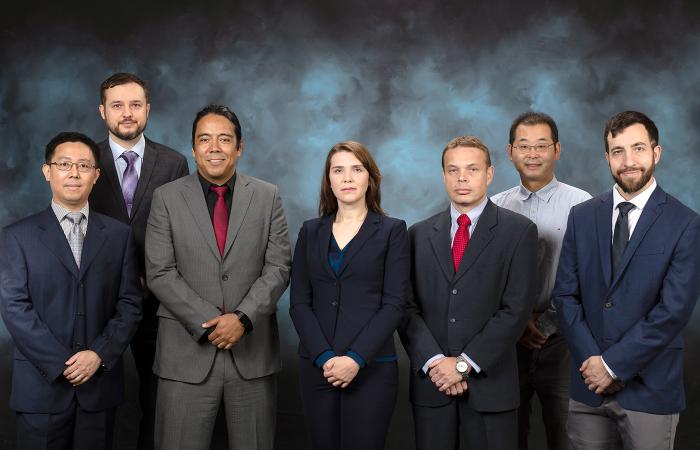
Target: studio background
pixel 402 77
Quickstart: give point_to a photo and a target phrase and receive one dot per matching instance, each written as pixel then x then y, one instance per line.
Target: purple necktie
pixel 130 179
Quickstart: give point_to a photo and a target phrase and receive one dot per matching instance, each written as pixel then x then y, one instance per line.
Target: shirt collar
pixel 545 193
pixel 117 150
pixel 62 212
pixel 473 214
pixel 639 201
pixel 206 184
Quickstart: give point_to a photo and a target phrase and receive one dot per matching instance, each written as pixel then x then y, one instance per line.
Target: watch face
pixel 462 367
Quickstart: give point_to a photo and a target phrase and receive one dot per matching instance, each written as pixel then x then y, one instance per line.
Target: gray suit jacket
pixel 187 273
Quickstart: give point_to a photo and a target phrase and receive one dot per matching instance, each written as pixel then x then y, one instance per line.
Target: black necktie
pixel 622 234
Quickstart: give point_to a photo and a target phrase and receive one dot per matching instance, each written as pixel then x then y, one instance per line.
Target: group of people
pixel 539 290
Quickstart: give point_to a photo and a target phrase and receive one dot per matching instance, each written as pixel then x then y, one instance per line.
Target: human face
pixel 71 189
pixel 467 176
pixel 348 179
pixel 216 150
pixel 125 111
pixel 535 166
pixel 632 159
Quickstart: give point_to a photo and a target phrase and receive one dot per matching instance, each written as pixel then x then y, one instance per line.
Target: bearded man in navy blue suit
pixel 627 283
pixel 71 301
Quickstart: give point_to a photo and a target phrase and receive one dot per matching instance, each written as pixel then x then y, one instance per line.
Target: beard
pixel 127 136
pixel 630 187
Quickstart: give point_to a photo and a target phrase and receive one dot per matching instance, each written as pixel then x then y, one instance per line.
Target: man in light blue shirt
pixel 543 356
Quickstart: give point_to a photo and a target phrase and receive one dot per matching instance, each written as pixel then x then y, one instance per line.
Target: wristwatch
pixel 462 367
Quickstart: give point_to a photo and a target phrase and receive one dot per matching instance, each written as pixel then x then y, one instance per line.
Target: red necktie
pixel 459 244
pixel 220 218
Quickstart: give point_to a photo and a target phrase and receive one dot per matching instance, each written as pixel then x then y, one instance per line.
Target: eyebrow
pixel 340 167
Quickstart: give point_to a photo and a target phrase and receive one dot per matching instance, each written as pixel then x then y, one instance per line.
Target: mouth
pixel 533 165
pixel 127 123
pixel 216 161
pixel 463 191
pixel 629 172
pixel 72 187
pixel 348 189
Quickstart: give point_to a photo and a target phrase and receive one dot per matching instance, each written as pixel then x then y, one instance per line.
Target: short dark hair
pixel 620 121
pixel 122 78
pixel 469 142
pixel 533 118
pixel 71 136
pixel 220 110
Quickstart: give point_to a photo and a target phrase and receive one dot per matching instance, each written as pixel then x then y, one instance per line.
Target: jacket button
pixel 334 303
pixel 453 320
pixel 608 305
pixel 224 277
pixel 454 291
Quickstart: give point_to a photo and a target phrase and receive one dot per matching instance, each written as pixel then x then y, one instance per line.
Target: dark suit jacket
pixel 481 310
pixel 42 290
pixel 160 165
pixel 360 308
pixel 634 319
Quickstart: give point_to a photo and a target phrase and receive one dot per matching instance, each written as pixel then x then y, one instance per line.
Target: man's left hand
pixel 81 367
pixel 597 378
pixel 228 330
pixel 443 373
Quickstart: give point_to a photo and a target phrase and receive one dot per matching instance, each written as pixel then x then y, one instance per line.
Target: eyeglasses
pixel 539 148
pixel 65 166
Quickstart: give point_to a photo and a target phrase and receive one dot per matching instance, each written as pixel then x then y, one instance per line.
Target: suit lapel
pixel 54 239
pixel 324 237
pixel 150 155
pixel 109 170
pixel 440 241
pixel 95 238
pixel 194 197
pixel 603 222
pixel 367 229
pixel 652 210
pixel 483 235
pixel 242 197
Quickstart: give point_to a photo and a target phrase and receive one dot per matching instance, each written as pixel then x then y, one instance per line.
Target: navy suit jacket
pixel 359 309
pixel 42 291
pixel 634 319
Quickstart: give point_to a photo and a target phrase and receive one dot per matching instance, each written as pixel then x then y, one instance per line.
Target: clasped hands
pixel 340 371
pixel 597 378
pixel 444 375
pixel 228 330
pixel 81 367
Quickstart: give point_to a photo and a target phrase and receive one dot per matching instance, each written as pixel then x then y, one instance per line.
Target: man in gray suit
pixel 218 258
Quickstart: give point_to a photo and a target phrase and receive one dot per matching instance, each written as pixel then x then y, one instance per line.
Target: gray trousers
pixel 186 413
pixel 546 373
pixel 611 427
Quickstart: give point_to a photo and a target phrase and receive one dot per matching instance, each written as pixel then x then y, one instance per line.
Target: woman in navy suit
pixel 350 278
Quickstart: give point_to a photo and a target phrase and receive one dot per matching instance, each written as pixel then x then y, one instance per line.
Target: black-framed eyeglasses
pixel 539 148
pixel 65 166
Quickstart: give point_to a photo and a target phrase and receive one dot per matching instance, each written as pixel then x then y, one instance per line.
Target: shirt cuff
pixel 323 358
pixel 430 361
pixel 357 358
pixel 474 365
pixel 612 374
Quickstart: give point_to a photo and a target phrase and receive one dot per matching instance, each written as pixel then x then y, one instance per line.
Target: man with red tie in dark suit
pixel 71 302
pixel 133 166
pixel 473 278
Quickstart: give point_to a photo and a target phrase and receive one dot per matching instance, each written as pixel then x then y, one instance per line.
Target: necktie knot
pixel 625 207
pixel 463 220
pixel 219 190
pixel 130 157
pixel 75 217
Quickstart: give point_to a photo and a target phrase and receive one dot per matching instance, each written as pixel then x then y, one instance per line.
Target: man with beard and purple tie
pixel 133 167
pixel 627 283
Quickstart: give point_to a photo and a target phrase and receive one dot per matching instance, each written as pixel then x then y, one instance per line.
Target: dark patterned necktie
pixel 622 234
pixel 75 235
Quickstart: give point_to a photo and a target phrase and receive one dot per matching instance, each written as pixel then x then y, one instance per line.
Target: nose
pixel 73 171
